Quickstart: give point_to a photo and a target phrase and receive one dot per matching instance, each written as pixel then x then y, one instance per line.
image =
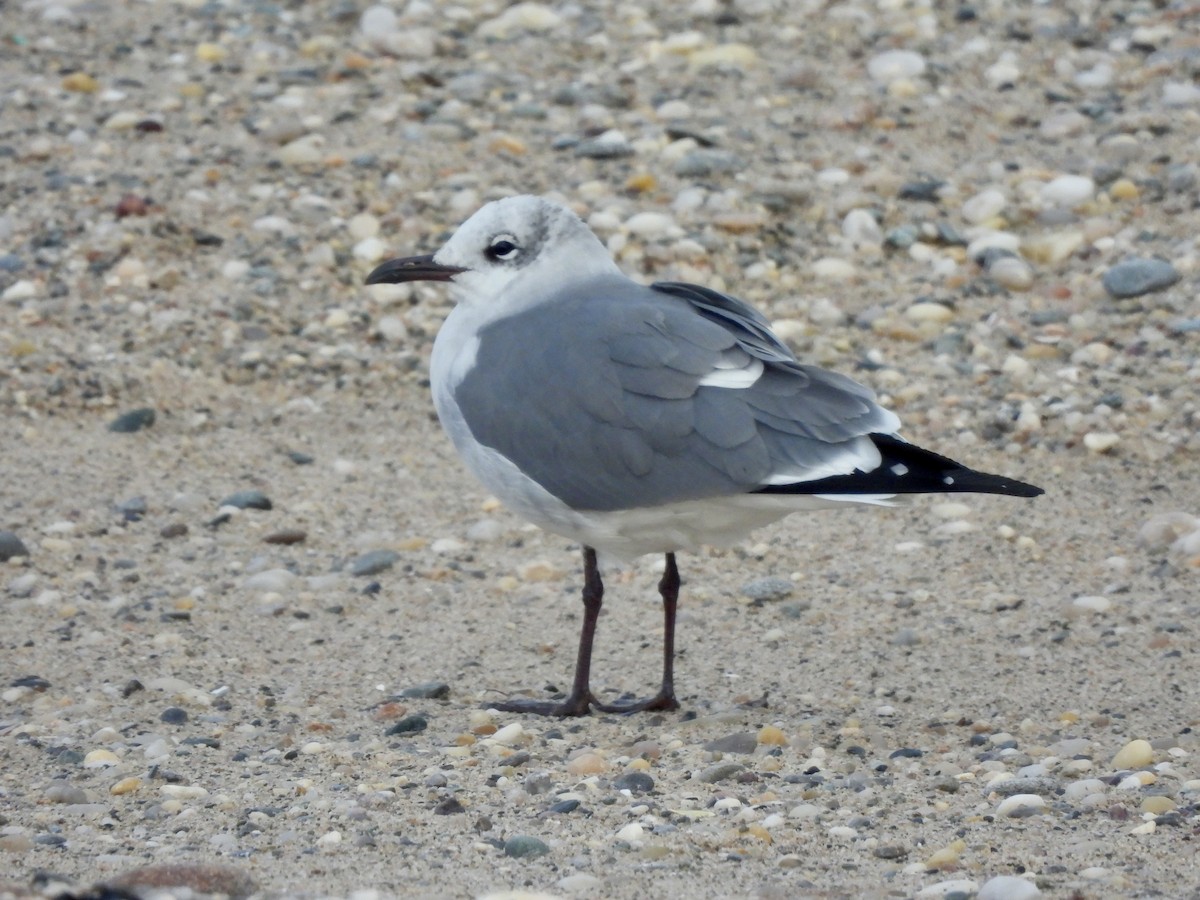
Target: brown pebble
pixel 132 205
pixel 174 530
pixel 203 878
pixel 287 536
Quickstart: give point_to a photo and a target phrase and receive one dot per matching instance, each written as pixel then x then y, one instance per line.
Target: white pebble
pixel 392 329
pixel 1180 93
pixel 1068 190
pixel 1100 441
pixel 892 65
pixel 963 886
pixel 1092 603
pixel 1162 530
pixel 447 546
pixel 533 17
pixel 631 832
pixel 1020 804
pixel 509 734
pixel 652 226
pixel 370 250
pixel 363 226
pixel 860 228
pixel 235 269
pixel 1011 272
pixel 22 289
pixel 273 580
pixel 951 509
pixel 987 204
pixel 1008 887
pixel 377 22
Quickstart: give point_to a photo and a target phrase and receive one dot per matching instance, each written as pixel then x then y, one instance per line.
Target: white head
pixel 528 239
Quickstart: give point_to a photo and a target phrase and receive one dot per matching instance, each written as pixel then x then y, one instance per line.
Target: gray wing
pixel 619 397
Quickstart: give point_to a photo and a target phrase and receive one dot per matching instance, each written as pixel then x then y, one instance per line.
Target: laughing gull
pixel 642 419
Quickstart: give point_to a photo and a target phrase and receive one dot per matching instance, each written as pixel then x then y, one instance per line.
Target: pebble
pixel 1020 805
pixel 586 764
pixel 100 758
pixel 862 229
pixel 1157 533
pixel 1011 272
pixel 11 546
pixel 271 580
pixel 719 772
pixel 892 65
pixel 707 161
pixel 766 589
pixel 409 725
pixel 373 562
pixel 743 742
pixel 609 145
pixel 1068 190
pixel 202 879
pixel 134 420
pixel 634 782
pixel 525 847
pixel 1134 755
pixel 250 499
pixel 1135 277
pixel 1008 887
pixel 1101 441
pixel 427 690
pixel 985 205
pixel 64 792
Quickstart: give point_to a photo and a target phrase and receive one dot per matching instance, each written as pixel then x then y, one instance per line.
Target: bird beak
pixel 412 268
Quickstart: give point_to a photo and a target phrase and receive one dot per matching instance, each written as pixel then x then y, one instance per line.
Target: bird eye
pixel 503 248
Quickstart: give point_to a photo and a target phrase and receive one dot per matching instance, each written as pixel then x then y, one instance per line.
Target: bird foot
pixel 663 700
pixel 571 706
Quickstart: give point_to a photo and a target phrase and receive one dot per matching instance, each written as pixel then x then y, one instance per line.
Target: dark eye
pixel 502 248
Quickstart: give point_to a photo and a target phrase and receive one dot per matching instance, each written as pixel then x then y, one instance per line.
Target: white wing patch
pixel 728 376
pixel 860 455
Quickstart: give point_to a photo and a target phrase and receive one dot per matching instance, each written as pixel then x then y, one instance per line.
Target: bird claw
pixel 571 706
pixel 663 700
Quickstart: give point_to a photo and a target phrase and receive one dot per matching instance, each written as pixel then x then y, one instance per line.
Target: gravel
pixel 985 212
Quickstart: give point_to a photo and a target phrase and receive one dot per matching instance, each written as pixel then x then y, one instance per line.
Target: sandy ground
pixel 969 696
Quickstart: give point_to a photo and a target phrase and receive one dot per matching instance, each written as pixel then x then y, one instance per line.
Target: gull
pixel 637 419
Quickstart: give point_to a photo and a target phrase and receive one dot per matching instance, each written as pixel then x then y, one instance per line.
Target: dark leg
pixel 668 587
pixel 577 703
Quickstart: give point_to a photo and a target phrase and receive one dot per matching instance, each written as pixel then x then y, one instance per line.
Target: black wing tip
pixel 909 469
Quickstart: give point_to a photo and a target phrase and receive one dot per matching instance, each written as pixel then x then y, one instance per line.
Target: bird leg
pixel 580 699
pixel 668 588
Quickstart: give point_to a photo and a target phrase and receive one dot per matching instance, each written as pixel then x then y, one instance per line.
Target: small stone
pixel 64 792
pixel 287 537
pixel 1158 805
pixel 199 878
pixel 706 161
pixel 373 562
pixel 22 289
pixel 427 690
pixel 125 786
pixel 719 772
pixel 1157 533
pixel 101 758
pixel 134 420
pixel 409 725
pixel 80 83
pixel 1134 755
pixel 1068 190
pixel 861 229
pixel 1020 805
pixel 929 312
pixel 763 590
pixel 772 736
pixel 210 53
pixel 743 742
pixel 587 764
pixel 892 65
pixel 1101 441
pixel 275 581
pixel 173 715
pixel 1008 887
pixel 509 734
pixel 609 145
pixel 1135 277
pixel 251 499
pixel 1092 603
pixel 11 546
pixel 524 846
pixel 1011 272
pixel 634 782
pixel 985 205
pixel 527 17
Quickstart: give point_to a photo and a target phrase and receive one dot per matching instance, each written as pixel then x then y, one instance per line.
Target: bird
pixel 636 419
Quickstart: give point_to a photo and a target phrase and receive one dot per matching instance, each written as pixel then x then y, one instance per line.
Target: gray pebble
pixel 708 161
pixel 134 420
pixel 634 782
pixel 59 791
pixel 603 149
pixel 719 772
pixel 427 690
pixel 374 562
pixel 1135 277
pixel 745 742
pixel 1033 785
pixel 10 262
pixel 10 546
pixel 763 589
pixel 522 845
pixel 247 500
pixel 409 725
pixel 173 715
